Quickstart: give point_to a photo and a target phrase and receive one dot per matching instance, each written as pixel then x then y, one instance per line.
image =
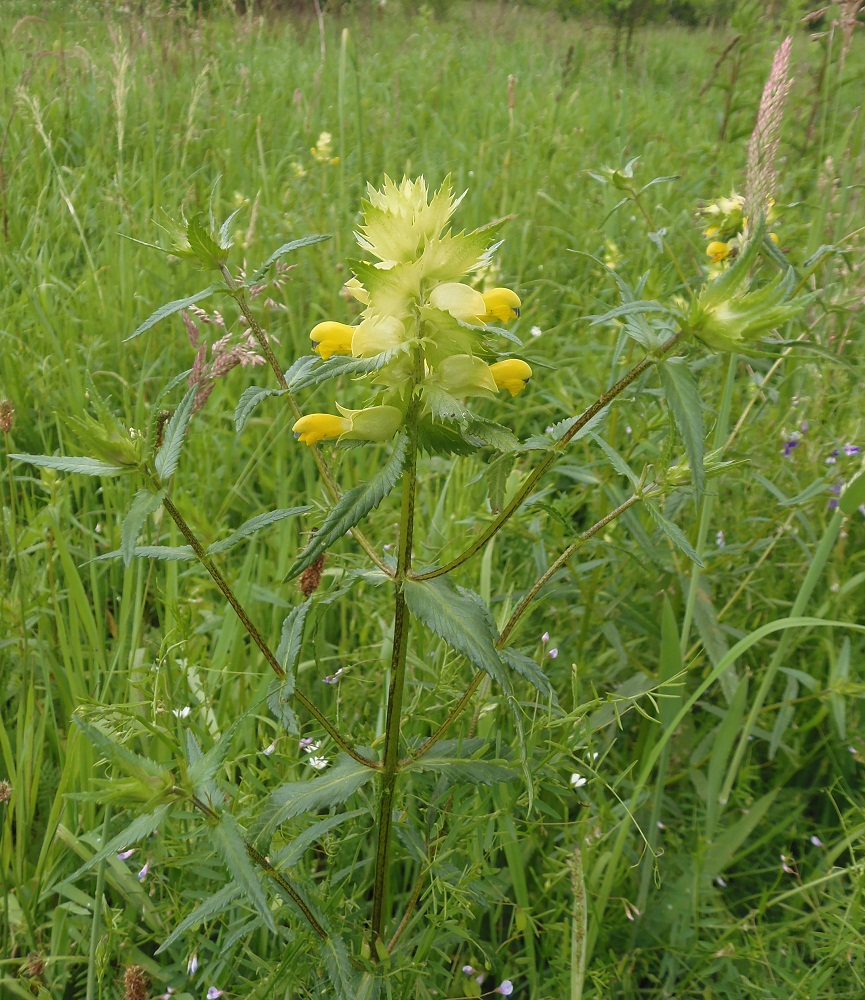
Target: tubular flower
pixel 502 305
pixel 331 338
pixel 718 251
pixel 511 374
pixel 315 427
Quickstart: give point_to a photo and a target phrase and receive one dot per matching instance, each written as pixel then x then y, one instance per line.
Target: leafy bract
pixel 169 309
pixel 168 455
pixel 287 654
pixel 353 506
pixel 83 466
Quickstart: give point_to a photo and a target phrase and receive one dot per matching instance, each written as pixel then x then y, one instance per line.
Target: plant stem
pixel 256 636
pixel 579 423
pixel 325 473
pixel 391 761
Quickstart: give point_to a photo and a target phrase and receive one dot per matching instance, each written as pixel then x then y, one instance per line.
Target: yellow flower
pixel 511 374
pixel 322 150
pixel 502 305
pixel 315 427
pixel 331 338
pixel 375 423
pixel 718 251
pixel 377 334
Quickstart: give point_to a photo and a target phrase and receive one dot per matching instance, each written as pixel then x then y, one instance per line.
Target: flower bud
pixel 331 338
pixel 512 374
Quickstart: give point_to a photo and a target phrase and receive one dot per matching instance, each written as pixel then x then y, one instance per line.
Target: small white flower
pixel 536 331
pixel 505 988
pixel 577 780
pixel 553 653
pixel 721 882
pixel 192 964
pixel 311 746
pixel 468 970
pixel 545 638
pixel 816 841
pixel 267 751
pixel 319 763
pixel 181 713
pixel 213 993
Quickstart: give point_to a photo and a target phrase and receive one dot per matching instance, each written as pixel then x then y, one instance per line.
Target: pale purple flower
pixel 833 457
pixel 319 763
pixel 789 445
pixel 816 841
pixel 192 964
pixel 123 855
pixel 332 678
pixel 720 540
pixel 553 653
pixel 213 993
pixel 804 427
pixel 468 970
pixel 787 865
pixel 142 875
pixel 306 743
pixel 851 449
pixel 545 638
pixel 312 746
pixel 506 987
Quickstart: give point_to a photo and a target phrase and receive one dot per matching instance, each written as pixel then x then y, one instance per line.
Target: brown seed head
pixel 5 791
pixel 310 578
pixel 135 983
pixel 7 415
pixel 35 965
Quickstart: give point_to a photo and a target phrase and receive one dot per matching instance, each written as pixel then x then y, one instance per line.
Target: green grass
pixel 233 106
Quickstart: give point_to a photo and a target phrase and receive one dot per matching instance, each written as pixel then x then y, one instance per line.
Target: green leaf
pixel 228 840
pixel 170 553
pixel 340 364
pixel 616 460
pixel 252 525
pixel 208 909
pixel 457 761
pixel 281 691
pixel 305 241
pixel 330 788
pixel 203 246
pixel 853 495
pixel 142 826
pixel 673 532
pixel 352 507
pixel 495 435
pixel 496 477
pixel 337 963
pixel 249 399
pixel 438 438
pixel 526 667
pixel 144 504
pixel 680 390
pixel 84 466
pixel 458 617
pixel 168 455
pixel 122 757
pixel 169 309
pixel 292 853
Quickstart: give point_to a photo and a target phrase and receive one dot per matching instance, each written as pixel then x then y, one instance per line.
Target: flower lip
pixel 331 338
pixel 511 374
pixel 315 427
pixel 502 304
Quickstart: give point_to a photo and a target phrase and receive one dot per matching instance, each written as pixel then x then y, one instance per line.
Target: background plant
pixel 747 582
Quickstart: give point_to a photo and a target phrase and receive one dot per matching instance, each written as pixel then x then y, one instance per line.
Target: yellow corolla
pixel 511 374
pixel 315 427
pixel 331 338
pixel 719 251
pixel 502 304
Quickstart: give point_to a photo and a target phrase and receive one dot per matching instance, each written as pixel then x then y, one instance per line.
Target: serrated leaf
pixel 337 963
pixel 616 460
pixel 341 364
pixel 209 909
pixel 456 761
pixel 526 667
pixel 249 399
pixel 84 466
pixel 116 753
pixel 169 309
pixel 209 254
pixel 673 532
pixel 304 241
pixel 630 309
pixel 683 398
pixel 292 853
pixel 329 788
pixel 352 507
pixel 438 438
pixel 145 503
pixel 142 826
pixel 495 435
pixel 203 767
pixel 170 553
pixel 281 691
pixel 224 235
pixel 496 478
pixel 228 840
pixel 456 616
pixel 254 524
pixel 168 455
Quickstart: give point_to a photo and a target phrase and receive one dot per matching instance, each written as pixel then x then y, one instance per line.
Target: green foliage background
pixel 108 124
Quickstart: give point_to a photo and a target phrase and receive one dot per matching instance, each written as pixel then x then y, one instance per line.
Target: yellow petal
pixel 461 301
pixel 377 334
pixel 718 251
pixel 315 427
pixel 502 305
pixel 331 338
pixel 511 374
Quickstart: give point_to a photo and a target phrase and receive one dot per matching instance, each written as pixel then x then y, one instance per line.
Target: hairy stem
pixel 255 635
pixel 579 423
pixel 325 473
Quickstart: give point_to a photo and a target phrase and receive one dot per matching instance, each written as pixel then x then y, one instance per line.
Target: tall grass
pixel 672 852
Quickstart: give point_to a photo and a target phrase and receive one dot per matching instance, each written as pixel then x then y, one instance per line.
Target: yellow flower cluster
pixel 728 227
pixel 422 328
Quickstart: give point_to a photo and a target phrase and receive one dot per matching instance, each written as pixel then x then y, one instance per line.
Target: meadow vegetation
pixel 682 815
